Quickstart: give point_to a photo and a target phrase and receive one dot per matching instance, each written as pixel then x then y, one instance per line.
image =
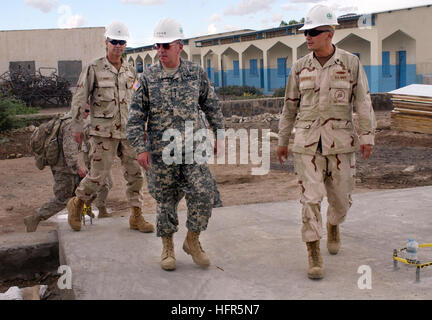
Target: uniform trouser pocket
pixel 339 186
pixel 310 172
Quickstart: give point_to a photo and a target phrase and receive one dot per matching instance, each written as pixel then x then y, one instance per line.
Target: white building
pixel 393 46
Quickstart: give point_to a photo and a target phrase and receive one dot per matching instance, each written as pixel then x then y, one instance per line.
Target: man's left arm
pixel 209 103
pixel 70 148
pixel 366 116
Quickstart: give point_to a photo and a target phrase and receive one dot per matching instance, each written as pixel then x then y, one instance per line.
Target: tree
pixel 283 24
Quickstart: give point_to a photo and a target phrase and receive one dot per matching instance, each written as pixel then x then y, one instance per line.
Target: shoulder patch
pixel 136 85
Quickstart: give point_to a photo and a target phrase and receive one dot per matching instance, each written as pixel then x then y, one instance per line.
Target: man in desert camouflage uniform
pixel 167 95
pixel 107 83
pixel 102 194
pixel 322 89
pixel 66 173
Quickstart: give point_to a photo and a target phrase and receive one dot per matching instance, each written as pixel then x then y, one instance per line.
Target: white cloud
pixel 246 7
pixel 43 5
pixel 215 18
pixel 212 29
pixel 275 18
pixel 143 2
pixel 287 6
pixel 306 1
pixel 69 20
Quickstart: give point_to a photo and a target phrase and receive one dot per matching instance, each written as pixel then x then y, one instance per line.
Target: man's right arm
pixel 80 98
pixel 289 113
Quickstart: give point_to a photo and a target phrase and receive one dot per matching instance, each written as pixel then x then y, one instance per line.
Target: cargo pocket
pixel 105 105
pixel 340 93
pixel 307 89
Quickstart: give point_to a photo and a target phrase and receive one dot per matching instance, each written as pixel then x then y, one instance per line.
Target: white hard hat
pixel 117 31
pixel 167 30
pixel 318 16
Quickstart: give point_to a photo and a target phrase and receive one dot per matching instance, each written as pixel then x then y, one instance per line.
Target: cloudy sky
pixel 198 17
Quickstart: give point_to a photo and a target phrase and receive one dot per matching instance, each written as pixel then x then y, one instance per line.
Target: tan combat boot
pixel 168 261
pixel 103 213
pixel 333 238
pixel 137 222
pixel 315 270
pixel 31 223
pixel 192 246
pixel 75 208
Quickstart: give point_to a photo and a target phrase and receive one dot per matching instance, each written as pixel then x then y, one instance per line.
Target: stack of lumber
pixel 412 108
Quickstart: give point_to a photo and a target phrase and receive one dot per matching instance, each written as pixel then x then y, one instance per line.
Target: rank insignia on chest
pixel 136 85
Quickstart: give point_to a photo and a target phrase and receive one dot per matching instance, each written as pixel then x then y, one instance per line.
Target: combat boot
pixel 168 261
pixel 31 223
pixel 75 208
pixel 192 246
pixel 333 238
pixel 315 270
pixel 137 222
pixel 103 213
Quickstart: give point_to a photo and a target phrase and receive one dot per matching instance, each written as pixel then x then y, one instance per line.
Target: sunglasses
pixel 314 32
pixel 166 46
pixel 116 42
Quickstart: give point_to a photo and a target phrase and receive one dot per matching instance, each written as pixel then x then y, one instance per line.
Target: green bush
pixel 237 91
pixel 279 92
pixel 9 108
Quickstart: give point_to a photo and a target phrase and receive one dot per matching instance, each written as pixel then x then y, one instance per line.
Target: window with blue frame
pixel 253 67
pixel 236 68
pixel 281 67
pixel 386 64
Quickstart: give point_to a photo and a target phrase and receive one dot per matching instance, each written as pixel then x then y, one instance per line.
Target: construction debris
pixel 30 293
pixel 265 117
pixel 37 89
pixel 412 108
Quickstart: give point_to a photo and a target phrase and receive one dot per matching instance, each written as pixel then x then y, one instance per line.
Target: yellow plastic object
pixel 417 263
pixel 87 211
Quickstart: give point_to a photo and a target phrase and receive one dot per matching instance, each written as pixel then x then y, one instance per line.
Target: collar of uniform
pixel 333 59
pixel 180 71
pixel 111 68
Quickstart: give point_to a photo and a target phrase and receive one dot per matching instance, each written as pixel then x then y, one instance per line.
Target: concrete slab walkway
pixel 257 253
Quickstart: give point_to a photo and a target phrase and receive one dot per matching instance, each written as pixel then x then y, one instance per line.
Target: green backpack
pixel 44 142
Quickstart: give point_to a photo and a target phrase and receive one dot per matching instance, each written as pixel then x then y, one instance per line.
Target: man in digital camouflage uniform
pixel 167 95
pixel 322 89
pixel 102 194
pixel 107 83
pixel 66 174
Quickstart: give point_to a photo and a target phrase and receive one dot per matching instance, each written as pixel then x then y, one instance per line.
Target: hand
pixel 218 148
pixel 282 153
pixel 366 150
pixel 82 172
pixel 144 160
pixel 78 136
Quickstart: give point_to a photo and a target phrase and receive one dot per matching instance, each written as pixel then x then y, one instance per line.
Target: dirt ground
pixel 400 160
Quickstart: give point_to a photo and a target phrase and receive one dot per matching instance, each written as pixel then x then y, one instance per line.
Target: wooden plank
pixel 412 107
pixel 414 112
pixel 412 123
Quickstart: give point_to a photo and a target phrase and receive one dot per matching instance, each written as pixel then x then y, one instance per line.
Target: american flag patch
pixel 136 85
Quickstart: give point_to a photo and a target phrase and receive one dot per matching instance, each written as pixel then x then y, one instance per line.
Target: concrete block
pixel 24 254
